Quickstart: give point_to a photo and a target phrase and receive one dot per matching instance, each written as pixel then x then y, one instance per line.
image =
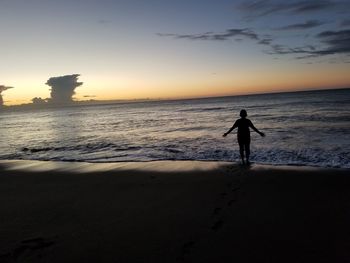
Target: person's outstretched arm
pixel 230 130
pixel 255 129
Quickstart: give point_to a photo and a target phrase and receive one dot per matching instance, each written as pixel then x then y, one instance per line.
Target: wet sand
pixel 171 211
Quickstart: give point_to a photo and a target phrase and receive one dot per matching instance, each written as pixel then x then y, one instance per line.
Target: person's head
pixel 243 113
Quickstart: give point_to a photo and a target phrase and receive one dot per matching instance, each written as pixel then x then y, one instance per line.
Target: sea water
pixel 302 128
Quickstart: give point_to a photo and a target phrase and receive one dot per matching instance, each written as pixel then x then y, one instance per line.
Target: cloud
pixel 345 23
pixel 277 49
pixel 268 7
pixel 228 34
pixel 265 41
pixel 325 43
pixel 335 42
pixel 62 88
pixel 301 26
pixel 3 88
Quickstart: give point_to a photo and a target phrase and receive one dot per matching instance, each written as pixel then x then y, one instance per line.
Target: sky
pixel 158 49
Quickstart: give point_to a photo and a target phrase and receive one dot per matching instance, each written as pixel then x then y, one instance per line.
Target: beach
pixel 172 211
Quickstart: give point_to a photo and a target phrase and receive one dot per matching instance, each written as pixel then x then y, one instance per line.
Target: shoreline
pixel 155 166
pixel 172 211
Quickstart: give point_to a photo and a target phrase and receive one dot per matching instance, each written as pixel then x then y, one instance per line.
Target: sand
pixel 171 211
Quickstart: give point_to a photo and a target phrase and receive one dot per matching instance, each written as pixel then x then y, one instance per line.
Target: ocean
pixel 302 128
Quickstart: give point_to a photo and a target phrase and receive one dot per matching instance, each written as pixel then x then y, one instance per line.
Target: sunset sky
pixel 133 49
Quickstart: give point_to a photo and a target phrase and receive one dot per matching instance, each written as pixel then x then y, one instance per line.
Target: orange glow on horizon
pixel 188 85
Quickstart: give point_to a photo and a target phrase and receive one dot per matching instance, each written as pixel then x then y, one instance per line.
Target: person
pixel 243 135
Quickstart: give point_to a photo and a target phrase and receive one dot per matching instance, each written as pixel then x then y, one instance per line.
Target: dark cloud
pixel 285 50
pixel 267 7
pixel 3 88
pixel 345 23
pixel 228 34
pixel 302 26
pixel 325 43
pixel 62 88
pixel 335 42
pixel 265 41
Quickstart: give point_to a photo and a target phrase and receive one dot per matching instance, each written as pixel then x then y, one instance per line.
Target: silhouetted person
pixel 243 134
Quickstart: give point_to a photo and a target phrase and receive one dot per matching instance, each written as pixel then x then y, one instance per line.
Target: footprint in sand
pixel 216 211
pixel 223 195
pixel 186 249
pixel 235 189
pixel 32 245
pixel 5 257
pixel 217 225
pixel 229 203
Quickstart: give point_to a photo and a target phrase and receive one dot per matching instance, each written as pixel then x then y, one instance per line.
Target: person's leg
pixel 247 151
pixel 241 151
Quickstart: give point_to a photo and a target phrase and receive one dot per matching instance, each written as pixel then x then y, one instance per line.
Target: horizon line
pixel 116 101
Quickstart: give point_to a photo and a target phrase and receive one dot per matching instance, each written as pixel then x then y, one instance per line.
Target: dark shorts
pixel 243 140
